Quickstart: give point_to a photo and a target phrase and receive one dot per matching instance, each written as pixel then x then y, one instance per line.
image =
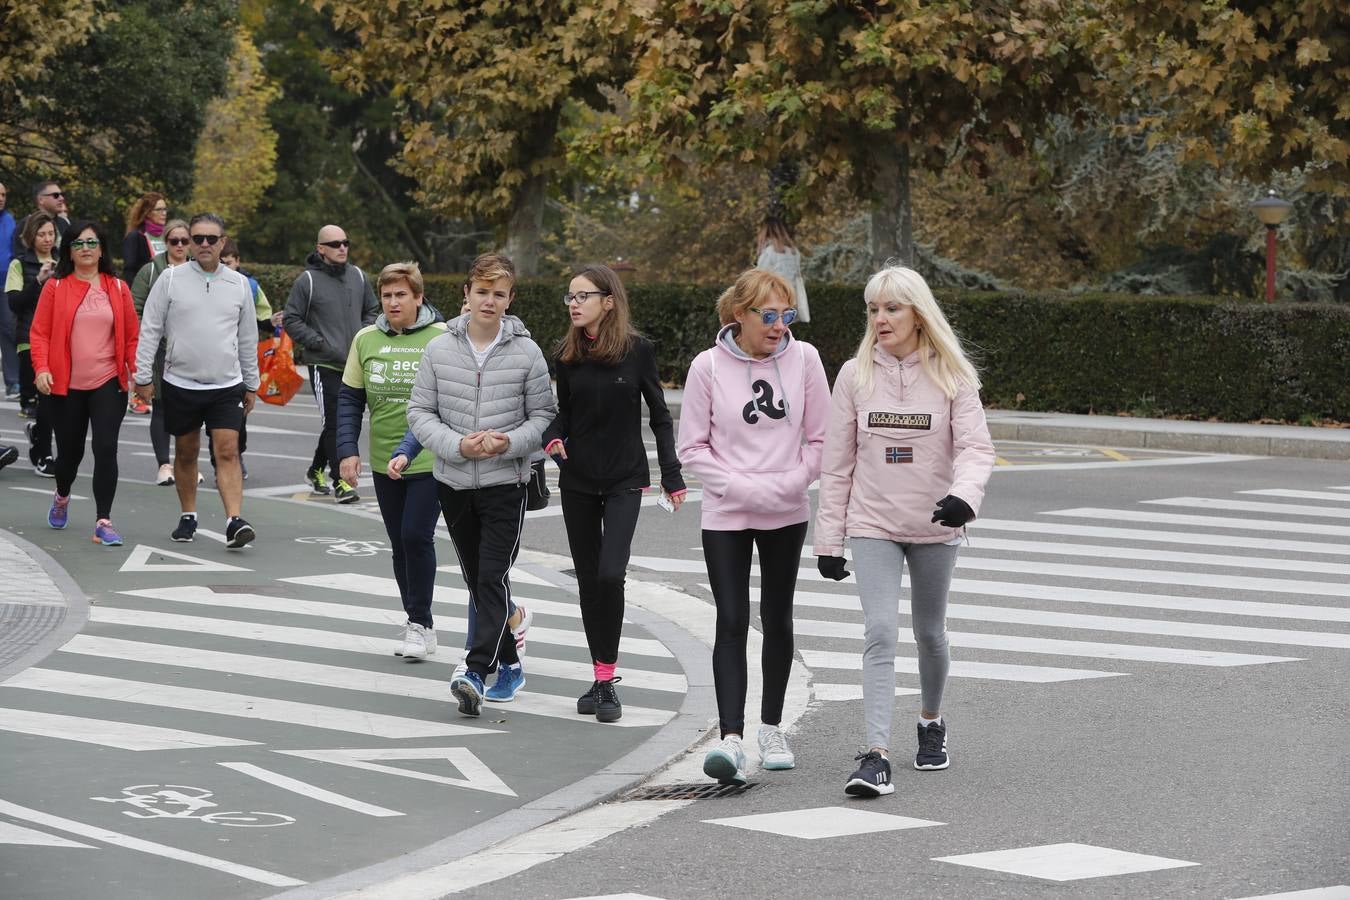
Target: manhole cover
pixel 689 791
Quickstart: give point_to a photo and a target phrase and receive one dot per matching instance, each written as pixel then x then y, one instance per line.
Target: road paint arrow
pixel 139 561
pixel 477 776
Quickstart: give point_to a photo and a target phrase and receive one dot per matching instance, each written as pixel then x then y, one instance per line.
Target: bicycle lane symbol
pixel 343 547
pixel 177 801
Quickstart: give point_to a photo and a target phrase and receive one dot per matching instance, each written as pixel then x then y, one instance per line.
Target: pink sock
pixel 604 671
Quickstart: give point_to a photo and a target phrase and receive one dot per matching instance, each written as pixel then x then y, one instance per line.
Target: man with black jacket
pixel 330 301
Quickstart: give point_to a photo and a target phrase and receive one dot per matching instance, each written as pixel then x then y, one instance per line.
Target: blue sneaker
pixel 59 515
pixel 468 690
pixel 510 679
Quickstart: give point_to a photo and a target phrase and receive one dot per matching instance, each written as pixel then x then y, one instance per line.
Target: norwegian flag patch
pixel 899 454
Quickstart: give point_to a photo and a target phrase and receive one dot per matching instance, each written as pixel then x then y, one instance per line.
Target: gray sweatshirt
pixel 327 306
pixel 208 324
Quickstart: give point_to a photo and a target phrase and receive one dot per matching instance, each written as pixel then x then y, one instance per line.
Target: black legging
pixel 40 445
pixel 104 408
pixel 600 534
pixel 728 555
pixel 159 434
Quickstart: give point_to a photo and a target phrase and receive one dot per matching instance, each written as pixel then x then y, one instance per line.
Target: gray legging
pixel 880 565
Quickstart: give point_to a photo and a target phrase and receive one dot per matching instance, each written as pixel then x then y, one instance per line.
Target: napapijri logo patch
pixel 900 420
pixel 899 454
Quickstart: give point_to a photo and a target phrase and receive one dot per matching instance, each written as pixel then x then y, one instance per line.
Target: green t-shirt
pixel 384 366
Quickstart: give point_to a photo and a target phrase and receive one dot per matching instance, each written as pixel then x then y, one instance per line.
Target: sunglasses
pixel 581 297
pixel 770 316
pixel 85 243
pixel 179 242
pixel 335 244
pixel 56 194
pixel 211 239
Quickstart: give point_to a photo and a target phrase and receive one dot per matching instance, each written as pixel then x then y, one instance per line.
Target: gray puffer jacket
pixel 452 398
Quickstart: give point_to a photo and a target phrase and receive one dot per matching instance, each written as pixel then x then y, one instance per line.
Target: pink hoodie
pixel 892 456
pixel 752 430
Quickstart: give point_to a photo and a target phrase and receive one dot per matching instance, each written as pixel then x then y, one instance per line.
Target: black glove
pixel 952 512
pixel 832 567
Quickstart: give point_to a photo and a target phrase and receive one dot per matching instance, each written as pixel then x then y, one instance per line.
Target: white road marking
pixel 1332 892
pixel 139 561
pixel 1136 554
pixel 44 492
pixel 1065 862
pixel 121 735
pixel 1267 544
pixel 17 834
pixel 823 822
pixel 839 692
pixel 381 586
pixel 306 715
pixel 517 575
pixel 1264 526
pixel 295 786
pixel 1300 495
pixel 262 876
pixel 830 659
pixel 1126 464
pixel 476 774
pixel 1274 509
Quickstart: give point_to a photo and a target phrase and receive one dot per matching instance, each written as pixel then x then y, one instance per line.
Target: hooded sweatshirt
pixel 752 430
pixel 893 454
pixel 327 306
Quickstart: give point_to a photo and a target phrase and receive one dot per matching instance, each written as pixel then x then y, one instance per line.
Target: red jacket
pixel 50 334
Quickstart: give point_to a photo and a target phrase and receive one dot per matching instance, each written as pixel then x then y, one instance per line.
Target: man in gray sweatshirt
pixel 205 313
pixel 329 303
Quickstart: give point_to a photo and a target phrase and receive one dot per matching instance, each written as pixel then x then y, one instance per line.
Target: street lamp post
pixel 1271 210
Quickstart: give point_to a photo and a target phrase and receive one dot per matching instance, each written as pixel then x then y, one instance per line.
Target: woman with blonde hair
pixel 752 428
pixel 905 467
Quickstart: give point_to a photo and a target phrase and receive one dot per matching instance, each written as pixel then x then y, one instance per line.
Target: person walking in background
pixel 330 301
pixel 381 365
pixel 205 313
pixel 176 248
pixel 605 369
pixel 84 341
pixel 905 467
pixel 49 199
pixel 9 351
pixel 480 404
pixel 143 241
pixel 752 428
pixel 778 254
pixel 27 274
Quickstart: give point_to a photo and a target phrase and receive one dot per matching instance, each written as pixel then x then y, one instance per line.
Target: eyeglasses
pixel 211 239
pixel 162 209
pixel 178 242
pixel 55 194
pixel 770 316
pixel 581 297
pixel 86 243
pixel 335 244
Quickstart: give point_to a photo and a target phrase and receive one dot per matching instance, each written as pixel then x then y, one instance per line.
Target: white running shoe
pixel 526 617
pixel 165 474
pixel 726 761
pixel 419 642
pixel 774 752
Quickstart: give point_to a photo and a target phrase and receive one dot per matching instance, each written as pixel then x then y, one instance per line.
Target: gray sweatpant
pixel 880 565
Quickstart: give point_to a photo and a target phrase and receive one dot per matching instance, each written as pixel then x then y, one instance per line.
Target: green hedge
pixel 1185 356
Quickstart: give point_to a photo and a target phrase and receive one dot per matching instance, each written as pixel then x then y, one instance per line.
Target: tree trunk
pixel 782 178
pixel 892 231
pixel 524 230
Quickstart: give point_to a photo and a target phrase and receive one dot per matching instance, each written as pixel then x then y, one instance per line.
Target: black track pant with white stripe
pixel 326 383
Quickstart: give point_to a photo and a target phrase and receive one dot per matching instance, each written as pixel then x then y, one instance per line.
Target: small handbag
pixel 536 489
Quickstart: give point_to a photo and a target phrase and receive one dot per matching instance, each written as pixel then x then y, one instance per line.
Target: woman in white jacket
pixel 907 433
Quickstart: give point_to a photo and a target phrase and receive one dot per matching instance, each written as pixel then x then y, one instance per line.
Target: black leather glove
pixel 952 512
pixel 832 567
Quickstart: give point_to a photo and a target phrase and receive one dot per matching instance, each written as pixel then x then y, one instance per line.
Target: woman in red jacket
pixel 84 345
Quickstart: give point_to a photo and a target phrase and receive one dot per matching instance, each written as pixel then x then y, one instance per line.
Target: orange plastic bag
pixel 279 380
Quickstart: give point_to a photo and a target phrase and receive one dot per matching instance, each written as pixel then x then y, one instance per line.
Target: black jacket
pixel 135 253
pixel 600 419
pixel 326 308
pixel 24 301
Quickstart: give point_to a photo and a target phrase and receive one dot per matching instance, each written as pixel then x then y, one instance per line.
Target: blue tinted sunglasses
pixel 770 316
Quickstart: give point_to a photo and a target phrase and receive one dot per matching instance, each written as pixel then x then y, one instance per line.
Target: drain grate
pixel 689 791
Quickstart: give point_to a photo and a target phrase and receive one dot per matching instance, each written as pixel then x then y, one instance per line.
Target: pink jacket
pixel 890 457
pixel 752 430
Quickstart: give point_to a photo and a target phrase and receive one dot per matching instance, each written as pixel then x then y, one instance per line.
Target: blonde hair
pixel 940 351
pixel 491 267
pixel 752 288
pixel 402 271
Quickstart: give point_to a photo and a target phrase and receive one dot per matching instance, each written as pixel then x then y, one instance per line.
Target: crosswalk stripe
pixel 381 586
pixel 119 735
pixel 831 659
pixel 1100 551
pixel 1274 509
pixel 1300 495
pixel 357 643
pixel 1265 526
pixel 1145 576
pixel 204 596
pixel 289 712
pixel 1150 535
pixel 1054 647
pixel 318 674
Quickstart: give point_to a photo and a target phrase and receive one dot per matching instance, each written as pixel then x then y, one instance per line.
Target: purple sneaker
pixel 106 534
pixel 59 515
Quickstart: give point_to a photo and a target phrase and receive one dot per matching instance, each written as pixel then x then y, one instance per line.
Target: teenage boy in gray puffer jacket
pixel 480 404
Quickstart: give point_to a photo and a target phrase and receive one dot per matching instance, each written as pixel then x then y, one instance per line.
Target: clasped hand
pixel 482 444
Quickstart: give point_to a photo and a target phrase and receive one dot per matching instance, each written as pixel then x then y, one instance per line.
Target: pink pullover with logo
pixel 752 430
pixel 891 456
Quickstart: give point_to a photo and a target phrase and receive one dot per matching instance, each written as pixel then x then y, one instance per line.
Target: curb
pixel 38 630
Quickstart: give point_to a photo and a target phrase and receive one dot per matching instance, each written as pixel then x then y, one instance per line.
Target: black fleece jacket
pixel 600 420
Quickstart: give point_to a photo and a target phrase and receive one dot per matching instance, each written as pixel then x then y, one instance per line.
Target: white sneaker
pixel 526 617
pixel 419 642
pixel 165 475
pixel 774 752
pixel 726 761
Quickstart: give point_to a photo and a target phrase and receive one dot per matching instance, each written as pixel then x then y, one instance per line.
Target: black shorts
pixel 186 410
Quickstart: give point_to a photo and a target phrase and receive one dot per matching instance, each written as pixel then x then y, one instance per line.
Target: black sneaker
pixel 238 533
pixel 318 484
pixel 8 455
pixel 344 493
pixel 586 702
pixel 187 527
pixel 932 753
pixel 607 705
pixel 46 467
pixel 873 777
